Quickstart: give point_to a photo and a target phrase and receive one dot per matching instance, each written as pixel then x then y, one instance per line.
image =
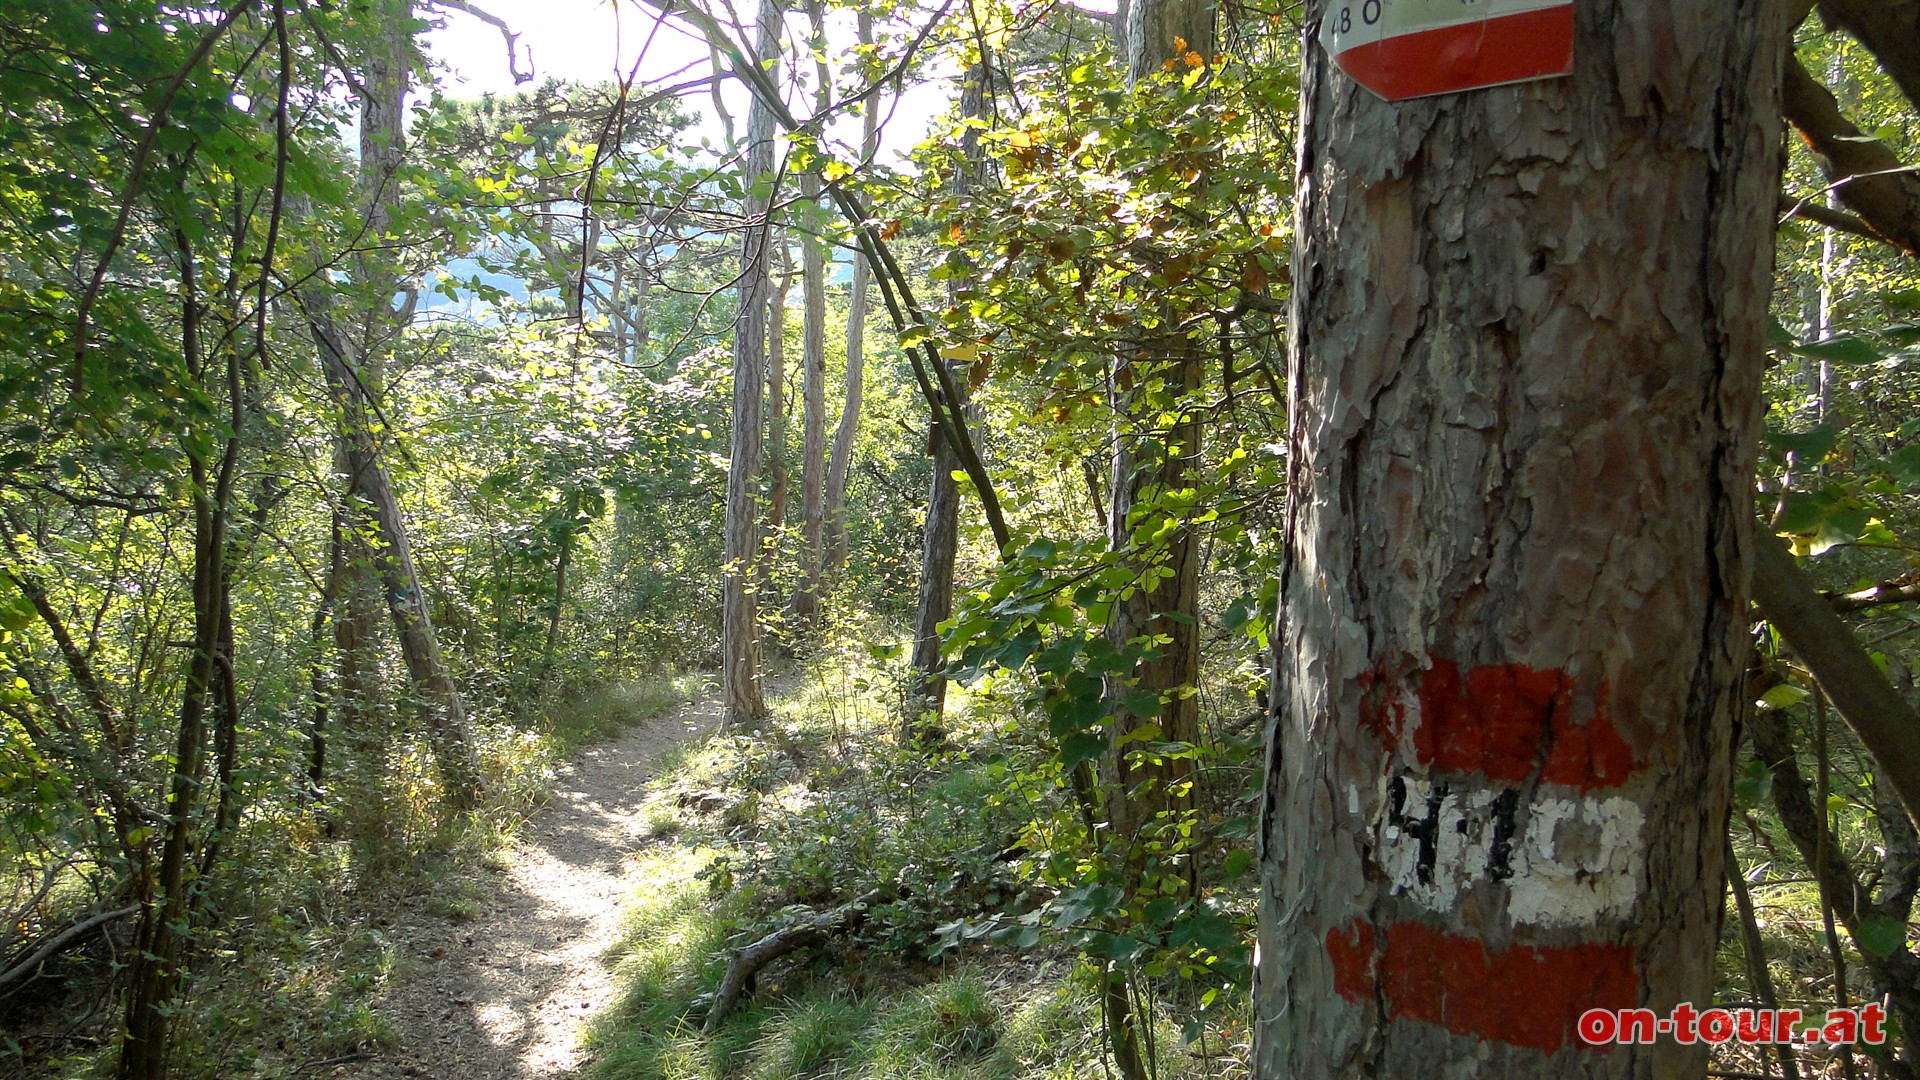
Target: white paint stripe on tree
pixel 1574 861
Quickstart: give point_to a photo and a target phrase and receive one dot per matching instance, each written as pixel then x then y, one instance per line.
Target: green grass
pixel 604 712
pixel 824 811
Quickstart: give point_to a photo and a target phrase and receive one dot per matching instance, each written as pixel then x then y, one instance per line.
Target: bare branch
pixel 1838 220
pixel 1868 179
pixel 512 39
pixel 1877 712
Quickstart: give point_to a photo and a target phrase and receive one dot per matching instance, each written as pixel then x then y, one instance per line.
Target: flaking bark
pixel 1527 336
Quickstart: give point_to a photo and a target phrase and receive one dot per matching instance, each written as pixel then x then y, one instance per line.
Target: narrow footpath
pixel 506 995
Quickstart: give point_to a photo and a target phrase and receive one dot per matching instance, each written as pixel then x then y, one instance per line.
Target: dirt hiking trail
pixel 506 995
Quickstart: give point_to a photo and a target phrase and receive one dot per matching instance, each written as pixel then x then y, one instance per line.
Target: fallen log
pixel 47 947
pixel 749 959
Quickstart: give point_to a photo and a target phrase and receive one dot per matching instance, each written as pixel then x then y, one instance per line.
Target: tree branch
pixel 1866 176
pixel 1838 220
pixel 506 32
pixel 1886 724
pixel 16 971
pixel 1886 28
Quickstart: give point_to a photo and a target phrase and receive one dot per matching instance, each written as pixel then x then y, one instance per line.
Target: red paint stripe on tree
pixel 1504 721
pixel 1490 52
pixel 1527 995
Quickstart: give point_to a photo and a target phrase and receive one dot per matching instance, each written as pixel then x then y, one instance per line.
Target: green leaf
pixel 1803 513
pixel 1843 349
pixel 1753 785
pixel 16 612
pixel 1081 746
pixel 1806 446
pixel 1881 936
pixel 1236 863
pixel 1783 696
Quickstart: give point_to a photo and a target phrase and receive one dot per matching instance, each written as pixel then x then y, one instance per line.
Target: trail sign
pixel 1414 48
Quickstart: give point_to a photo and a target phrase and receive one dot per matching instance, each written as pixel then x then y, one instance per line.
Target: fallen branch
pixel 747 961
pixel 54 943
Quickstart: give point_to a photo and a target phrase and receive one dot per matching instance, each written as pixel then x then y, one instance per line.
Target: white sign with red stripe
pixel 1413 48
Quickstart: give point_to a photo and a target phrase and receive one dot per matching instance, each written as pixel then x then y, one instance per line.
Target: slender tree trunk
pixel 841 461
pixel 352 371
pixel 400 583
pixel 813 412
pixel 1528 331
pixel 779 476
pixel 925 721
pixel 382 104
pixel 361 720
pixel 560 568
pixel 740 627
pixel 321 694
pixel 927 693
pixel 813 360
pixel 157 965
pixel 1152 462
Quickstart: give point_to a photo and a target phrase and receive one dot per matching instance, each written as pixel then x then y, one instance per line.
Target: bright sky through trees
pixel 599 40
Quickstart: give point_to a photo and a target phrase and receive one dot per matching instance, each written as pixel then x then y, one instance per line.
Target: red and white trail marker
pixel 1414 48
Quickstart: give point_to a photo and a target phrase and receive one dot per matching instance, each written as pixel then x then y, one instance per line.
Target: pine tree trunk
pixel 740 625
pixel 1528 332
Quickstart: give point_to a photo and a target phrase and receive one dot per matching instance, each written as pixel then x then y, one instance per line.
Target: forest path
pixel 506 995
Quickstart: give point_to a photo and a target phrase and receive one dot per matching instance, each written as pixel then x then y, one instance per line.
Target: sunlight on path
pixel 507 996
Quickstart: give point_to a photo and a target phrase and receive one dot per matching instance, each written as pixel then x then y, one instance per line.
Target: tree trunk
pixel 813 426
pixel 740 625
pixel 156 966
pixel 560 567
pixel 779 476
pixel 320 693
pixel 400 583
pixel 356 627
pixel 924 722
pixel 1151 461
pixel 352 370
pixel 841 462
pixel 813 356
pixel 1528 331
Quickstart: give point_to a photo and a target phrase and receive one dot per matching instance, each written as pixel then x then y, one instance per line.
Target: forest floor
pixel 504 992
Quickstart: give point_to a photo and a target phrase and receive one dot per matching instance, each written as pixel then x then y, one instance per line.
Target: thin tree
pixel 1527 341
pixel 841 460
pixel 1153 388
pixel 352 367
pixel 779 474
pixel 813 353
pixel 924 721
pixel 740 627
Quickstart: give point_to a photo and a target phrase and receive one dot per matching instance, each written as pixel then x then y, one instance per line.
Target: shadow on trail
pixel 506 995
